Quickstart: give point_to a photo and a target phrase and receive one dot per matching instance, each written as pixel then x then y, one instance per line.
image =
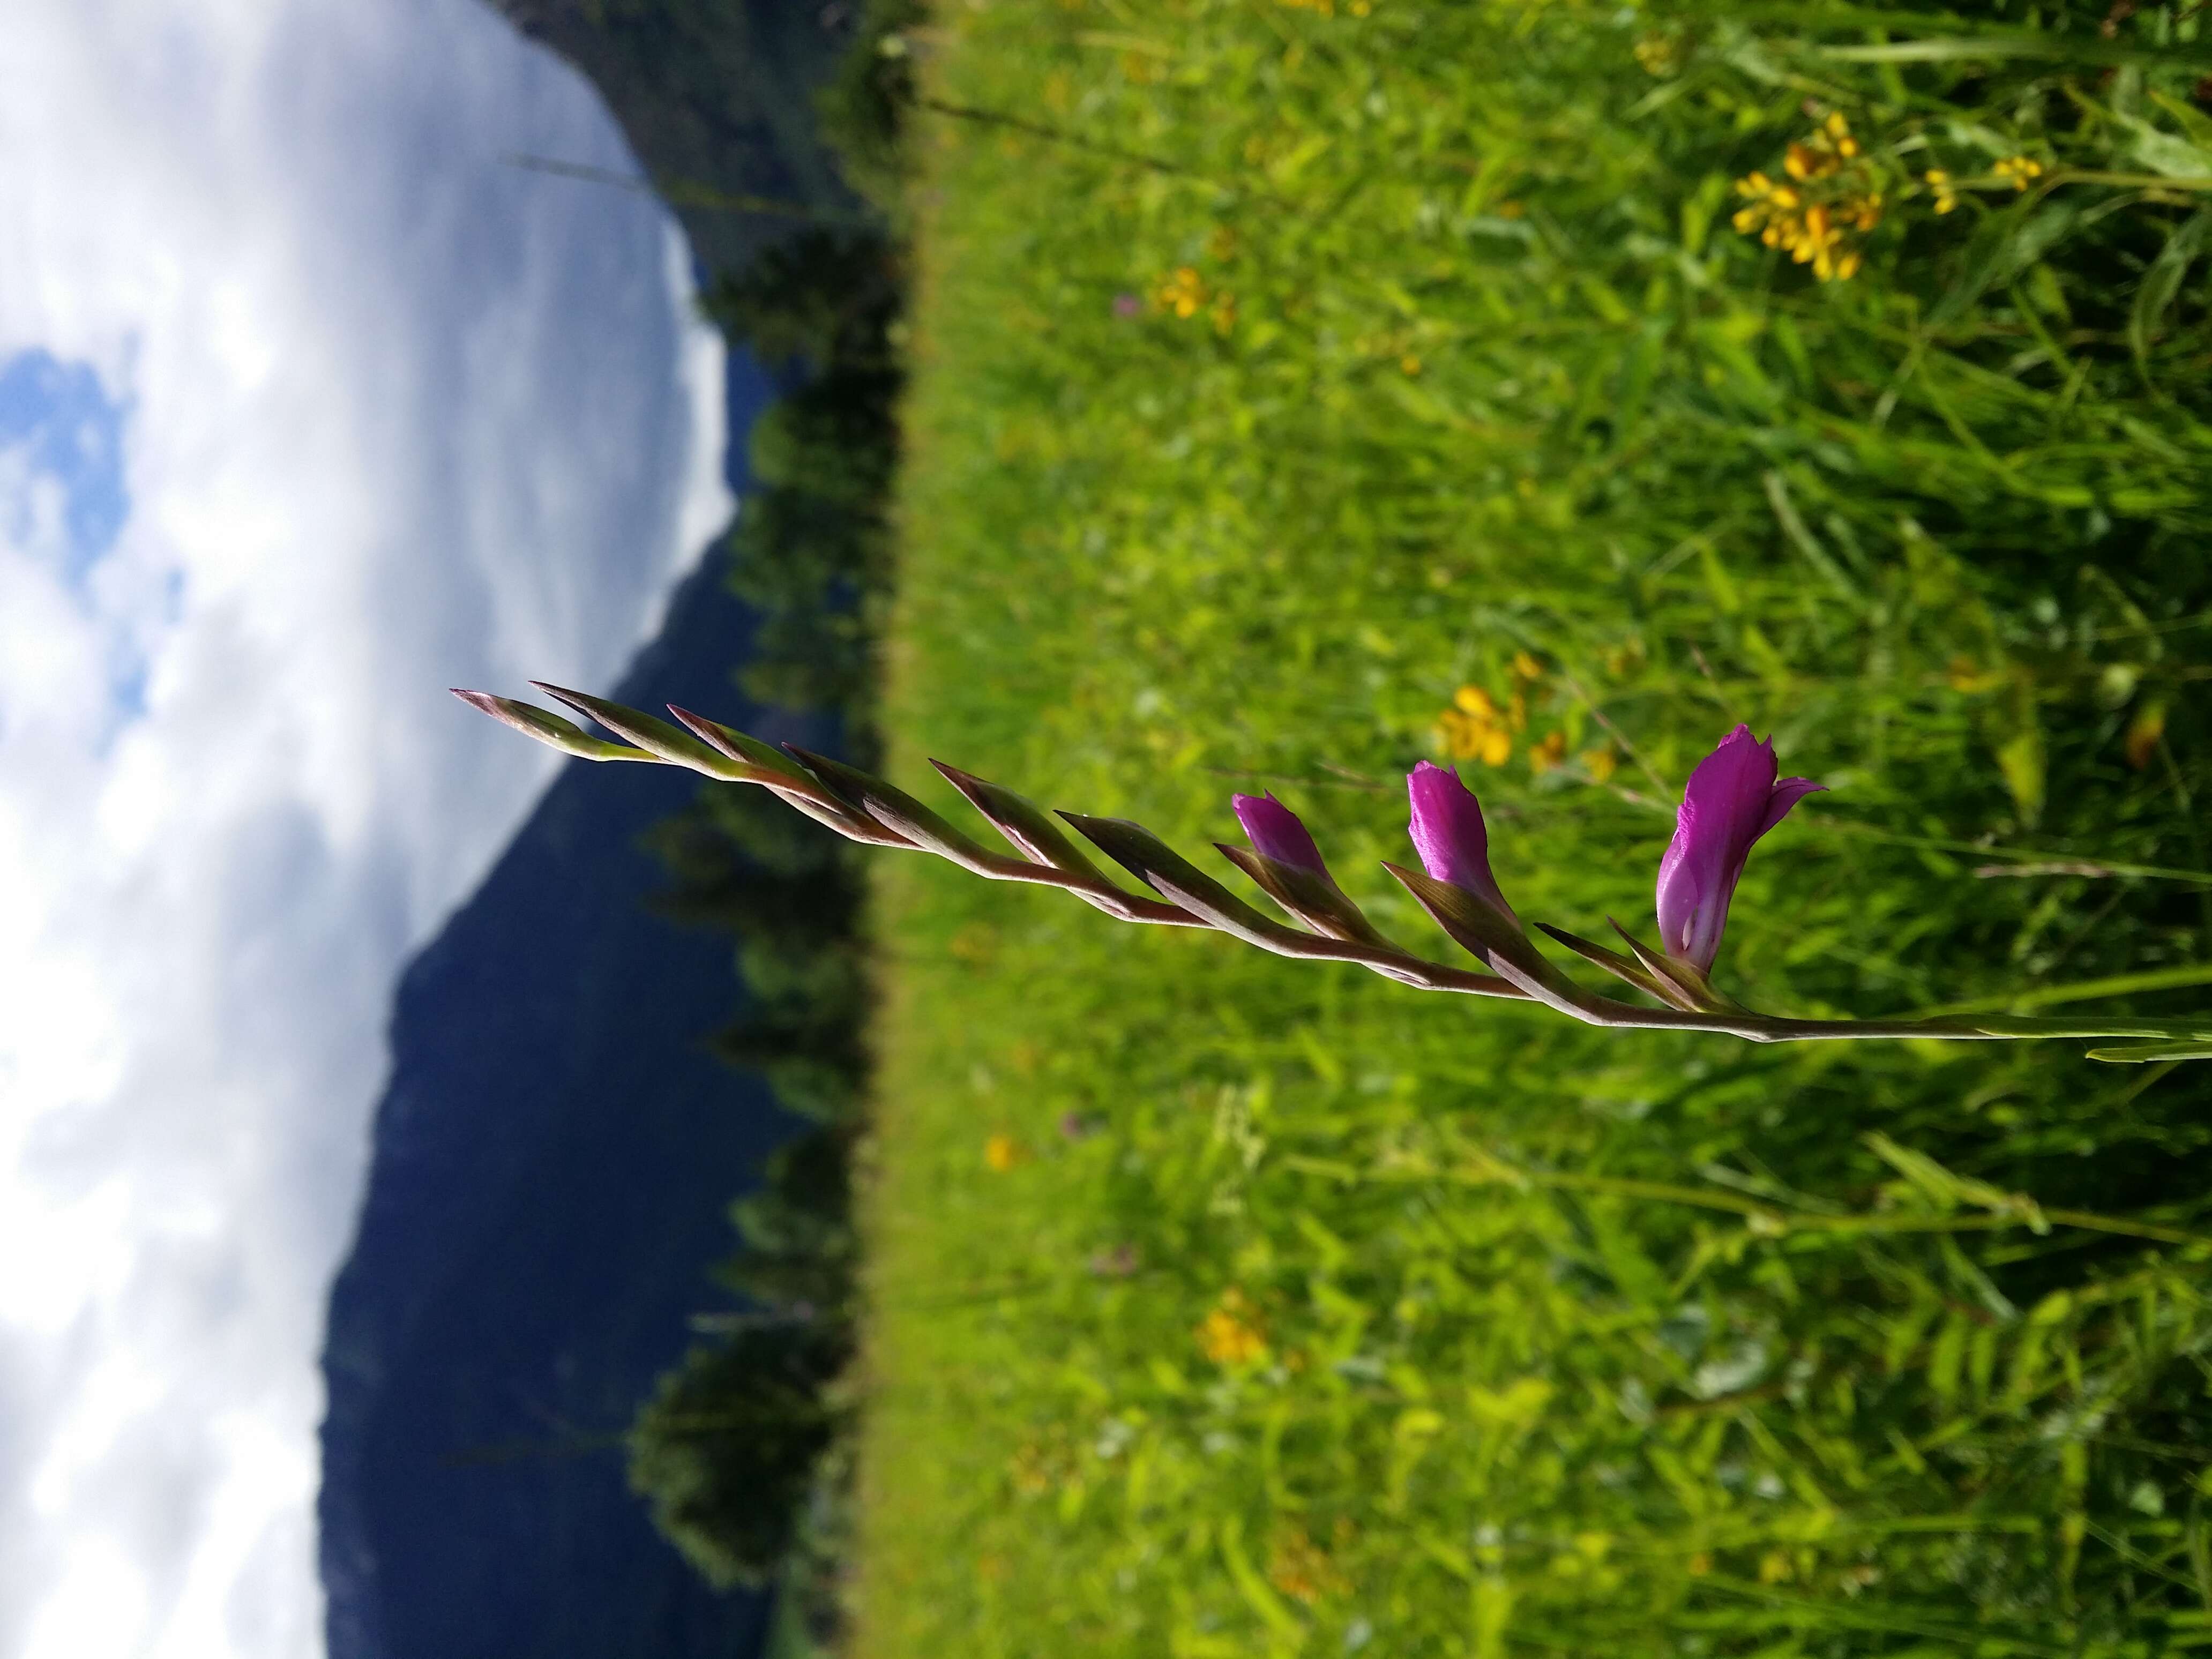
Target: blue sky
pixel 62 486
pixel 310 407
pixel 60 425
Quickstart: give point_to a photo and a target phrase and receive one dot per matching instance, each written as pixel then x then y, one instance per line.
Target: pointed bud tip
pixel 708 731
pixel 581 701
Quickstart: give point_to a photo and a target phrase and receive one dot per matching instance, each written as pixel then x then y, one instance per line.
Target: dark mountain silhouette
pixel 555 1153
pixel 554 1159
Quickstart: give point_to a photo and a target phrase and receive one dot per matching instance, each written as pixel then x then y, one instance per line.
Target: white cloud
pixel 393 415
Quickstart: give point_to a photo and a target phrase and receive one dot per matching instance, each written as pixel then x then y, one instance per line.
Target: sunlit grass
pixel 1341 387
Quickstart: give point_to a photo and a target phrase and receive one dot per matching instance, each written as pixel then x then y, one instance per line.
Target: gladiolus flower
pixel 1276 832
pixel 1732 799
pixel 1450 834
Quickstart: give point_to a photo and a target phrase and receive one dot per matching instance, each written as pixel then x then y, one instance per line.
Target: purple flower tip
pixel 1127 304
pixel 1733 798
pixel 1450 834
pixel 1276 832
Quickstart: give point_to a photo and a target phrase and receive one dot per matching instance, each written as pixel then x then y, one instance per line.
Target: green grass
pixel 1555 1340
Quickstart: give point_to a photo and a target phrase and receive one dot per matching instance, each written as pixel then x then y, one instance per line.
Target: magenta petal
pixel 1449 833
pixel 1276 832
pixel 1787 794
pixel 1731 800
pixel 1679 892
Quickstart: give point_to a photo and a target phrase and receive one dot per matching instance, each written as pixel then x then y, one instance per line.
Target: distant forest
pixel 743 1451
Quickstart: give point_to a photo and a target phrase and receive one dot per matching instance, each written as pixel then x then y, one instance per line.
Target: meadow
pixel 1302 391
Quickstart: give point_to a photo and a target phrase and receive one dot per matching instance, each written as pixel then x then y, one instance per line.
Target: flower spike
pixel 1731 800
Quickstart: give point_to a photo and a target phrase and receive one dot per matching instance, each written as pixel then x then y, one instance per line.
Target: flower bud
pixel 1277 834
pixel 1732 799
pixel 1449 833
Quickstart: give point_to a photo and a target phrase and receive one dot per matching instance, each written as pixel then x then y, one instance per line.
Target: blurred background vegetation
pixel 1300 390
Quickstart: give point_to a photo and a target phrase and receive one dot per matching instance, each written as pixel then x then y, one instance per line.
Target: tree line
pixel 743 1451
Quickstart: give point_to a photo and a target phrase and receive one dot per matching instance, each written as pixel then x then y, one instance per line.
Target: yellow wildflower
pixel 1813 224
pixel 1225 313
pixel 1526 667
pixel 2020 169
pixel 1230 1334
pixel 1819 233
pixel 1947 197
pixel 1803 162
pixel 1410 364
pixel 1656 54
pixel 1600 763
pixel 1301 1569
pixel 1548 753
pixel 1001 1152
pixel 1182 293
pixel 1474 728
pixel 1825 151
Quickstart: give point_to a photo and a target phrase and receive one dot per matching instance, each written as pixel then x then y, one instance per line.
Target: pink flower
pixel 1732 799
pixel 1276 832
pixel 1450 834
